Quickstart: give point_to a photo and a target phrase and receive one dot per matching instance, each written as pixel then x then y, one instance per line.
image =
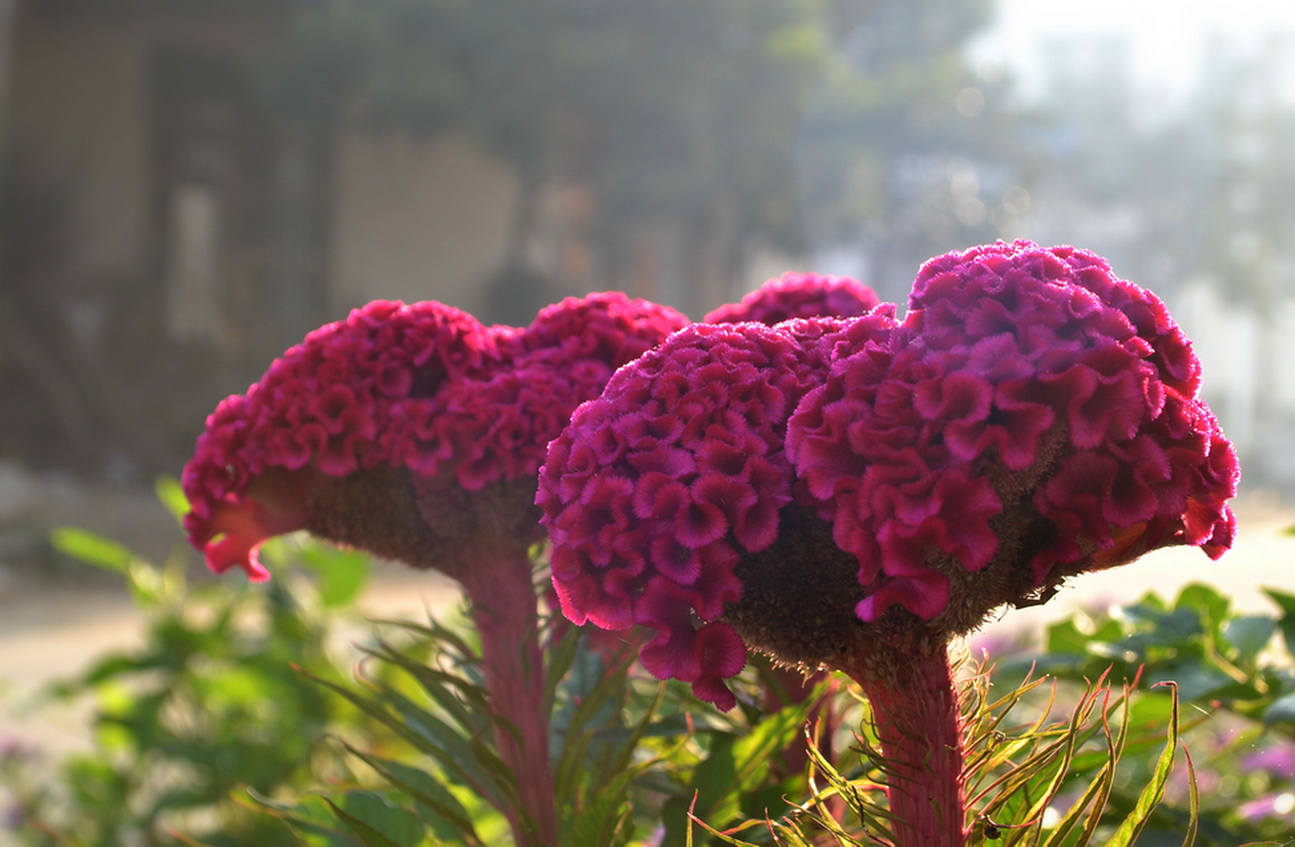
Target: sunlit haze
pixel 1165 39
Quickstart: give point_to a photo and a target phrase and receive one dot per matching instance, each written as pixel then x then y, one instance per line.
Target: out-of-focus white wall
pixel 415 221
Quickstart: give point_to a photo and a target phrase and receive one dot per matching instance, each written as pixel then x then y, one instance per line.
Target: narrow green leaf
pixel 421 786
pixel 1154 791
pixel 310 814
pixel 460 757
pixel 172 496
pixel 583 730
pixel 377 822
pixel 462 698
pixel 559 659
pixel 468 759
pixel 1097 793
pixel 1193 801
pixel 91 548
pixel 597 824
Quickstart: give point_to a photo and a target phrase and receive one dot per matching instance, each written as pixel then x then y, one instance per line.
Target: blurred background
pixel 188 186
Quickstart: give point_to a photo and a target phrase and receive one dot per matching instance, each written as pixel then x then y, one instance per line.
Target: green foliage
pixel 218 700
pixel 1235 676
pixel 238 721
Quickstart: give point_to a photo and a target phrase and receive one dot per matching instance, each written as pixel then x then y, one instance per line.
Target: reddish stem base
pixel 915 709
pixel 504 609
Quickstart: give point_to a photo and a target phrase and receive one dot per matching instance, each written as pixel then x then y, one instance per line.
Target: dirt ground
pixel 52 627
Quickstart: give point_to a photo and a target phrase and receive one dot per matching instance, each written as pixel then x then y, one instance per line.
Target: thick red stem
pixel 504 609
pixel 915 709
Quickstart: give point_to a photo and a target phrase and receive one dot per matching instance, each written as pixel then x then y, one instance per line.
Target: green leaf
pixel 454 821
pixel 92 549
pixel 310 813
pixel 1151 795
pixel 1194 681
pixel 376 821
pixel 1207 602
pixel 1250 634
pixel 172 496
pixel 462 758
pixel 598 823
pixel 1193 801
pixel 1285 602
pixel 342 573
pixel 463 700
pixel 1282 710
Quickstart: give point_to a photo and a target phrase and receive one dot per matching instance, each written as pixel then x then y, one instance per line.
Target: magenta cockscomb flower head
pixel 411 431
pixel 355 399
pixel 1032 418
pixel 416 433
pixel 662 490
pixel 799 295
pixel 854 493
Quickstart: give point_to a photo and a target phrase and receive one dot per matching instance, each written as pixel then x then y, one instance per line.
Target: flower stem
pixel 915 710
pixel 504 609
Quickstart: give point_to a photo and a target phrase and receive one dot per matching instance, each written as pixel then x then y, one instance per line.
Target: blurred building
pixel 167 226
pixel 176 210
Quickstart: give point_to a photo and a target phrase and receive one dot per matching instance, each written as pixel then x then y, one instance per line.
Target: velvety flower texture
pixel 658 489
pixel 798 295
pixel 407 430
pixel 1032 417
pixel 817 488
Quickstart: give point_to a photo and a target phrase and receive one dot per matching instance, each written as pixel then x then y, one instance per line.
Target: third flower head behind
pixel 822 489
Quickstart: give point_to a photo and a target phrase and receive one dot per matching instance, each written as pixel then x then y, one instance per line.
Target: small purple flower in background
pixel 1280 805
pixel 799 295
pixel 1278 761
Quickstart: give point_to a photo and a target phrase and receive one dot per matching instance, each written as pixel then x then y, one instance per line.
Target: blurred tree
pixel 1189 196
pixel 673 108
pixel 906 151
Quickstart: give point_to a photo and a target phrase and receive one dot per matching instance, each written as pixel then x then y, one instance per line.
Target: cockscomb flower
pixel 660 489
pixel 409 430
pixel 416 433
pixel 357 398
pixel 799 295
pixel 1033 417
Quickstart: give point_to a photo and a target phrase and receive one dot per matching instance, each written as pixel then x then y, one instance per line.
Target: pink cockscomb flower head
pixel 853 493
pixel 1033 417
pixel 358 398
pixel 416 433
pixel 799 295
pixel 662 492
pixel 411 431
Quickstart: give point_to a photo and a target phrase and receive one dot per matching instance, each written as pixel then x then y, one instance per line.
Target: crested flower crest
pixel 816 487
pixel 798 295
pixel 405 429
